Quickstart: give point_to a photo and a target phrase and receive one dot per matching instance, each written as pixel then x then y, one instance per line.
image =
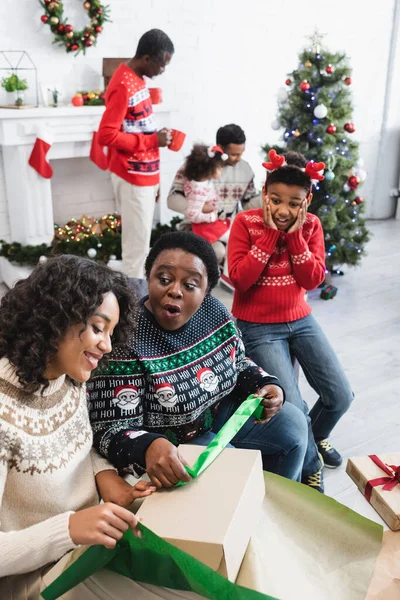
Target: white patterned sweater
pixel 47 470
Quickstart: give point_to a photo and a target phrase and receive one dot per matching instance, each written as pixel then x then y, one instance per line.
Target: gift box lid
pixel 212 517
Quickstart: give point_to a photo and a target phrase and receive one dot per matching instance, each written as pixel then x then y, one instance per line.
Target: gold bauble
pixel 308 64
pixel 70 35
pixel 296 133
pixel 87 5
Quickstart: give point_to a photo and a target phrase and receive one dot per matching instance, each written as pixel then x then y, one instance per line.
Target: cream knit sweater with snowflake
pixel 47 469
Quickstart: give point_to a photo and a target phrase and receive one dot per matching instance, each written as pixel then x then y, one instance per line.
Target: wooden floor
pixel 363 325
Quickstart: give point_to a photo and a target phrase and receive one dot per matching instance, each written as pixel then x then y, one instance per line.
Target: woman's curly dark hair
pixel 199 165
pixel 190 243
pixel 38 311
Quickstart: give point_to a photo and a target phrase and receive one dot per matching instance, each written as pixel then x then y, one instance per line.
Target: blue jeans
pixel 270 345
pixel 282 442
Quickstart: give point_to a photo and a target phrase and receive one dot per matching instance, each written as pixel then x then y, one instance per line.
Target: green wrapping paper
pixel 151 560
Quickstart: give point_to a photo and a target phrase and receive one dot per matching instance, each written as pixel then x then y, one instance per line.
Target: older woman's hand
pixel 272 401
pixel 164 465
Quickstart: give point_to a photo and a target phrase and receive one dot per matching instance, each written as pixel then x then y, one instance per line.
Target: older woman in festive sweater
pixel 182 375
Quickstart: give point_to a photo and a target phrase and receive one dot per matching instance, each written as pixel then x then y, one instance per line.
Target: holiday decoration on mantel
pixel 64 33
pixel 322 114
pixel 95 98
pixel 99 239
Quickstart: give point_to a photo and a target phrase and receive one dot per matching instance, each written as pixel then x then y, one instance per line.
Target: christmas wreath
pixel 74 41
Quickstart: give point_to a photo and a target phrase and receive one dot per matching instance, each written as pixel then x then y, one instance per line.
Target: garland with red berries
pixel 64 33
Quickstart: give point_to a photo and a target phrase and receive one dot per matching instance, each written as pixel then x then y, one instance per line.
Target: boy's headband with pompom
pixel 312 169
pixel 213 150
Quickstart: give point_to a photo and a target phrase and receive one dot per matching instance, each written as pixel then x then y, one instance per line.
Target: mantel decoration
pixel 18 75
pixel 99 239
pixel 64 33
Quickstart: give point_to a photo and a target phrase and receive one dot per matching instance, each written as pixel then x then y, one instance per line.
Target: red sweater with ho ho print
pixel 128 129
pixel 271 269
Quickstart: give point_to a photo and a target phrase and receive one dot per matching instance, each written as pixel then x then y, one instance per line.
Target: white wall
pixel 231 58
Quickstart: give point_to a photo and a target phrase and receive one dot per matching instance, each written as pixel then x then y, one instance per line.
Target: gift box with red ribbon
pixel 378 478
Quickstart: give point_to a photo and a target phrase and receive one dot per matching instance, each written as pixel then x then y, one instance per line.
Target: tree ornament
pixel 348 81
pixel 275 125
pixel 92 252
pixel 316 40
pixel 329 175
pixel 349 127
pixel 308 64
pixel 346 187
pixel 297 133
pixel 361 174
pixel 113 257
pixel 331 129
pixel 329 69
pixel 282 94
pixel 320 111
pixel 288 81
pixel 42 259
pixel 304 86
pixel 353 182
pixel 64 32
pixel 358 200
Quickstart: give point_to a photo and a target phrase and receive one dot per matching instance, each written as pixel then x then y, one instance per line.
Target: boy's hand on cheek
pixel 301 217
pixel 267 213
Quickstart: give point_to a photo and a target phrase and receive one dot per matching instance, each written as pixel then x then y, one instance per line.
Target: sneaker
pixel 315 481
pixel 226 282
pixel 330 456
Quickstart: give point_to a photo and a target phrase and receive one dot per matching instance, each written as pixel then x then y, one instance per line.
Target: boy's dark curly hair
pixel 199 166
pixel 39 310
pixel 291 174
pixel 188 242
pixel 230 134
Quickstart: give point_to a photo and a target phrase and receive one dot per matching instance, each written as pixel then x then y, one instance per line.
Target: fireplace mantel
pixel 29 197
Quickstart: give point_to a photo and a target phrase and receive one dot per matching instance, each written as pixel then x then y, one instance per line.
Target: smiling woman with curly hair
pixel 55 327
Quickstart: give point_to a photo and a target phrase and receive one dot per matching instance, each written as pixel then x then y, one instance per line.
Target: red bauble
pixel 88 43
pixel 358 200
pixel 77 101
pixel 353 182
pixel 304 86
pixel 329 69
pixel 348 81
pixel 60 28
pixel 331 129
pixel 350 127
pixel 86 34
pixel 288 81
pixel 69 29
pixel 99 29
pixel 74 47
pixel 44 18
pixel 47 1
pixel 100 12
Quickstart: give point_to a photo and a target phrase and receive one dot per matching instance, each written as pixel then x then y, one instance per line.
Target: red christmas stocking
pixel 97 153
pixel 37 159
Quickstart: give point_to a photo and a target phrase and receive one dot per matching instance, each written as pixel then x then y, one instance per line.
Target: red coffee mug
pixel 178 137
pixel 155 95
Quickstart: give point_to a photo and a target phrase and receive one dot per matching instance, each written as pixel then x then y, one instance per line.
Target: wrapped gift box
pixel 213 516
pixel 364 472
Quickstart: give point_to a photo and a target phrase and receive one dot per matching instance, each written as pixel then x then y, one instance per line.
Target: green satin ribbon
pixel 150 559
pixel 249 407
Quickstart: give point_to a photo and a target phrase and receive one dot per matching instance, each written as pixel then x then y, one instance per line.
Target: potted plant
pixel 15 86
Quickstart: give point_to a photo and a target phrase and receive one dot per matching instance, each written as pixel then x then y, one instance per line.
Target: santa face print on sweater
pixel 126 398
pixel 207 379
pixel 165 394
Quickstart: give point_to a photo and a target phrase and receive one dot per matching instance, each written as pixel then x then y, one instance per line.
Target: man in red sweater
pixel 128 130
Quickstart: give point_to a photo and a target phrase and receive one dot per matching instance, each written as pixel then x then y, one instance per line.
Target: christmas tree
pixel 315 112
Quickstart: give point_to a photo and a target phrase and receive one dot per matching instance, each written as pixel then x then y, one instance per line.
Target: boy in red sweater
pixel 128 130
pixel 275 254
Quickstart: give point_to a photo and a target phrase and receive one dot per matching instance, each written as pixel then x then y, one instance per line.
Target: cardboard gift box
pixel 110 65
pixel 378 478
pixel 214 515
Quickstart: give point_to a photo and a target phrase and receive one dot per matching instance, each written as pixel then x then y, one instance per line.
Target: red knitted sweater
pixel 128 129
pixel 271 269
